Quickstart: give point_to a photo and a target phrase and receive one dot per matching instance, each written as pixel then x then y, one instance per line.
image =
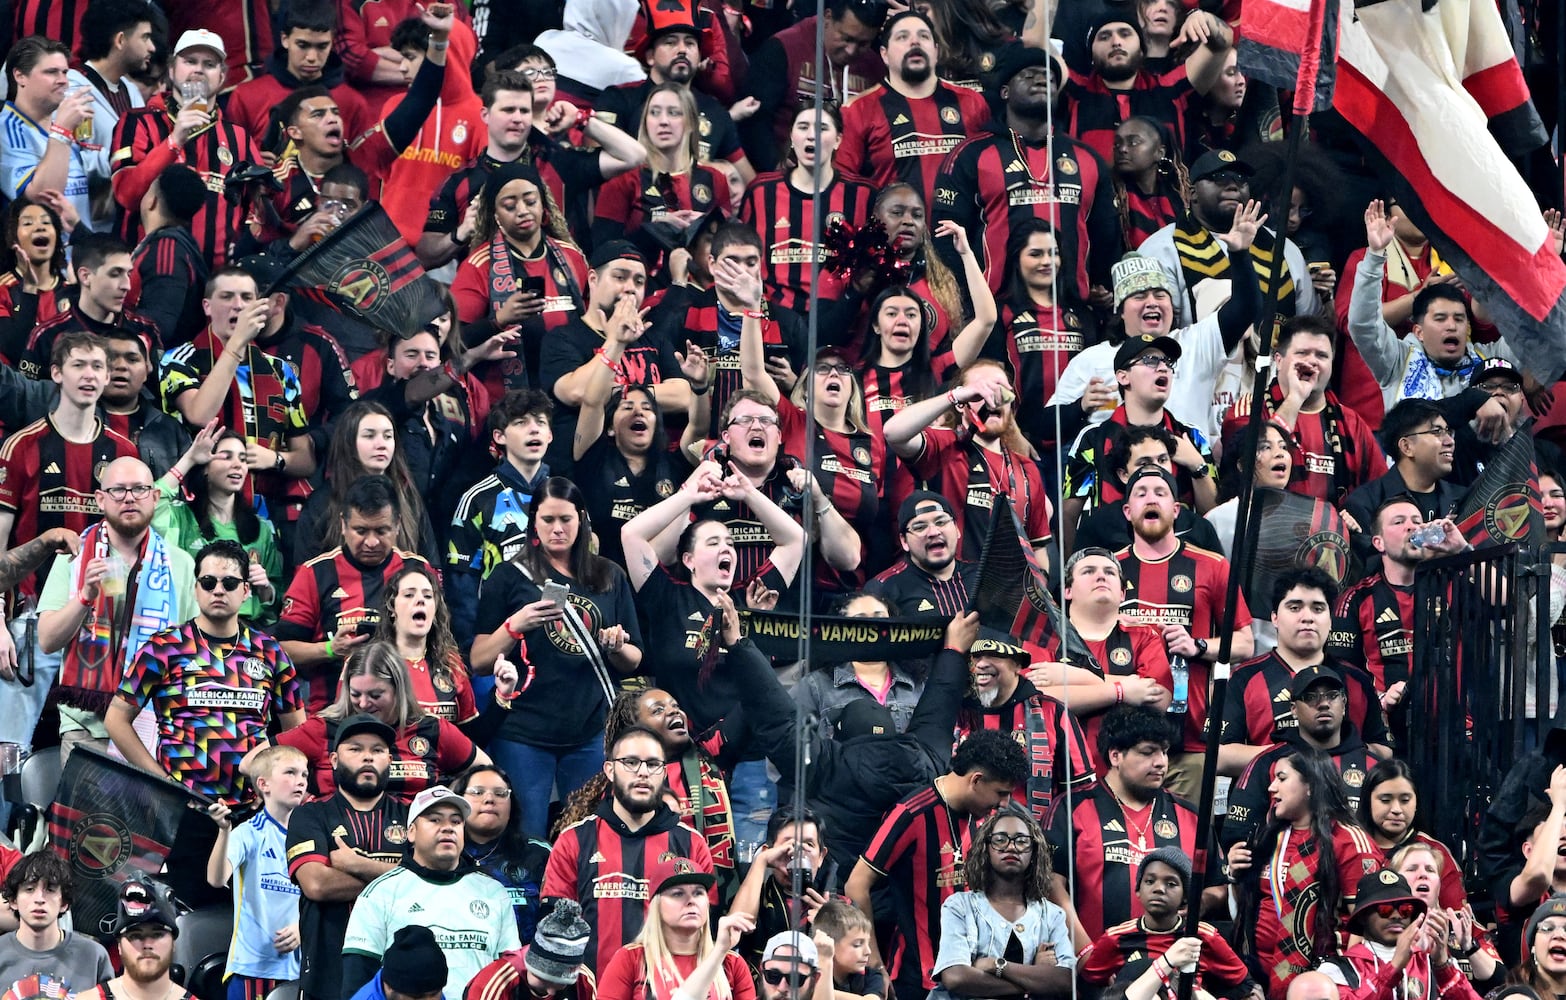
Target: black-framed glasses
pixel 228 584
pixel 639 765
pixel 826 368
pixel 754 420
pixel 1021 841
pixel 1153 361
pixel 139 491
pixel 532 73
pixel 1438 432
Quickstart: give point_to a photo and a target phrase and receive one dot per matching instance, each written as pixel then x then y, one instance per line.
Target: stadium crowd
pixel 456 622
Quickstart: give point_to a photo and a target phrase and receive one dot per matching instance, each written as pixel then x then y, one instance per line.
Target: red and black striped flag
pixel 1293 45
pixel 1013 591
pixel 1502 506
pixel 110 821
pixel 365 268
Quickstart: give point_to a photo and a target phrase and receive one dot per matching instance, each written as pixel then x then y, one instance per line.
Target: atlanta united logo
pixel 1507 515
pixel 100 845
pixel 1327 551
pixel 362 282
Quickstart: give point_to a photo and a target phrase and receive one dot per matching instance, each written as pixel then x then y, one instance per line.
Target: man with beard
pixel 144 930
pixel 1319 701
pixel 1120 85
pixel 1258 707
pixel 1004 174
pixel 102 265
pixel 116 44
pixel 1192 252
pixel 603 862
pixel 436 886
pixel 673 54
pixel 1005 701
pixel 902 128
pixel 1107 527
pixel 929 583
pixel 1179 589
pixel 1107 831
pixel 339 845
pixel 980 458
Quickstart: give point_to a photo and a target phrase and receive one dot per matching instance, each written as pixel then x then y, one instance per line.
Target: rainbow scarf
pixel 110 637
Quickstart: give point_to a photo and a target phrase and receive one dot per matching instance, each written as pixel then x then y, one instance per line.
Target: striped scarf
pixel 110 637
pixel 1203 257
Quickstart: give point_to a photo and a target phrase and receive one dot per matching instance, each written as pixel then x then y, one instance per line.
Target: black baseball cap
pixel 1135 347
pixel 616 250
pixel 1493 367
pixel 1153 472
pixel 1311 676
pixel 364 723
pixel 921 502
pixel 1217 161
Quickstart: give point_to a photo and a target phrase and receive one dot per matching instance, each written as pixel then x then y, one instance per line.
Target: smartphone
pixel 556 592
pixel 1319 266
pixel 364 628
pixel 533 284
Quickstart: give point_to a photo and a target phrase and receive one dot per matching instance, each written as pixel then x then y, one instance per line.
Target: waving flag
pixel 1013 591
pixel 1435 90
pixel 1292 45
pixel 1502 505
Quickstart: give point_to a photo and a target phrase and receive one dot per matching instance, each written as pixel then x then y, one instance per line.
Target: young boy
pixel 842 934
pixel 265 950
pixel 1162 881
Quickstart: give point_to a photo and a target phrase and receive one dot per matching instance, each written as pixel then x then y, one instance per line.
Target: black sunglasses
pixel 229 584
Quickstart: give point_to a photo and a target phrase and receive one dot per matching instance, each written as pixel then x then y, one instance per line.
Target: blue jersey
pixel 23 143
pixel 265 899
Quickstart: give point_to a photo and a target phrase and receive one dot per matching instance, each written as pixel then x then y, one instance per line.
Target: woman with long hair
pixel 497 844
pixel 676 957
pixel 1233 113
pixel 569 615
pixel 1544 958
pixel 1270 468
pixel 202 498
pixel 427 750
pixel 364 443
pixel 623 459
pixel 780 205
pixel 1297 880
pixel 673 188
pixel 35 280
pixel 417 621
pixel 1004 925
pixel 968 34
pixel 1150 182
pixel 525 271
pixel 1388 804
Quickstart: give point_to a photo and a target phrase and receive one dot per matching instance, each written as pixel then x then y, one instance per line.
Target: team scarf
pixel 575 624
pixel 1202 257
pixel 106 644
pixel 1400 267
pixel 1332 430
pixel 503 278
pixel 1422 379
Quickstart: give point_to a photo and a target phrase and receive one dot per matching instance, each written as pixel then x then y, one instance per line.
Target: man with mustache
pixel 339 845
pixel 902 128
pixel 437 886
pixel 929 582
pixel 144 930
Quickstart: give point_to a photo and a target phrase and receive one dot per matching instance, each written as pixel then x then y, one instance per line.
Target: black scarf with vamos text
pixel 836 640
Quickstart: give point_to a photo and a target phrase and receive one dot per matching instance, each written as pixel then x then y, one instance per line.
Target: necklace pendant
pixel 1141 841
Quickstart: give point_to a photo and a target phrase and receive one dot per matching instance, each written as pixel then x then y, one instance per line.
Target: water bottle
pixel 1181 672
pixel 1427 535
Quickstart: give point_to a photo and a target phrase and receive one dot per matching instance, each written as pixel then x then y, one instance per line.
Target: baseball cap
pixel 1138 273
pixel 800 948
pixel 1134 347
pixel 364 723
pixel 921 502
pixel 616 250
pixel 200 38
pixel 1495 366
pixel 434 796
pixel 671 870
pixel 1311 676
pixel 1153 472
pixel 1217 161
pixel 864 717
pixel 1384 886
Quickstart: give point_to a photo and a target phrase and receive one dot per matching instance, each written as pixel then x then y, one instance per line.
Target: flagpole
pixel 1247 530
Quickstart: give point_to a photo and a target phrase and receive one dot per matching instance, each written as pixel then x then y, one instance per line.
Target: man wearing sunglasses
pixel 1386 961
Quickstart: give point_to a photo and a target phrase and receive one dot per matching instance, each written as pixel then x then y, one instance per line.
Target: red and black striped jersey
pixel 602 864
pixel 628 202
pixel 1219 971
pixel 1335 450
pixel 21 311
pixel 782 215
pixel 995 180
pixel 35 361
pixel 890 137
pixel 1249 799
pixel 332 592
pixel 971 476
pixel 848 466
pixel 49 482
pixel 1040 341
pixel 326 386
pixel 60 20
pixel 244 25
pixel 1259 702
pixel 1146 214
pixel 1090 473
pixel 1105 842
pixel 752 542
pixel 1092 111
pixel 918 595
pixel 168 282
pixel 142 151
pixel 1373 627
pixel 564 272
pixel 296 202
pixel 1185 588
pixel 1059 755
pixel 919 851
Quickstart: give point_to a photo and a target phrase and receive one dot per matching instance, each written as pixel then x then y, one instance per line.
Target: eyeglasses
pixel 754 420
pixel 920 527
pixel 1153 361
pixel 637 765
pixel 121 492
pixel 1021 841
pixel 1439 432
pixel 532 73
pixel 228 584
pixel 1386 911
pixel 776 977
pixel 1505 385
pixel 1224 178
pixel 1325 697
pixel 826 368
pixel 478 793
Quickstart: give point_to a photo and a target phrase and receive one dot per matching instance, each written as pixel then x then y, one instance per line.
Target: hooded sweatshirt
pixel 590 49
pixel 453 135
pixel 251 103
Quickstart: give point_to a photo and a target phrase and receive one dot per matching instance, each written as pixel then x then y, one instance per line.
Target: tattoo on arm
pixel 17 563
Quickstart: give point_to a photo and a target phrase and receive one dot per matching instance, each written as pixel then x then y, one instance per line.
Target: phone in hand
pixel 555 592
pixel 365 627
pixel 533 284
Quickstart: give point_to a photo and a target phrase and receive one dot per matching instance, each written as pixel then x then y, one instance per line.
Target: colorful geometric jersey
pixel 213 701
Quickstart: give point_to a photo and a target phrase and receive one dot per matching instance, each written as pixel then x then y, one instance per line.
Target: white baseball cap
pixel 434 796
pixel 200 38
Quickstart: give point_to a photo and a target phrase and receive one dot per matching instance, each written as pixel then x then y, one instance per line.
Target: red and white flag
pixel 1292 45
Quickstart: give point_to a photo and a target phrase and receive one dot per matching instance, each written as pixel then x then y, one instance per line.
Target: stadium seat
pixel 203 933
pixel 41 777
pixel 285 991
pixel 207 980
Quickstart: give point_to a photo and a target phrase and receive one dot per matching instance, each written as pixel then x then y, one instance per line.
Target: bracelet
pixel 517 634
pixel 951 397
pixel 84 600
pixel 601 356
pixel 702 391
pixel 1120 693
pixel 172 144
pixel 753 314
pixel 238 358
pixel 329 654
pixel 64 135
pixel 583 116
pixel 439 46
pixel 281 463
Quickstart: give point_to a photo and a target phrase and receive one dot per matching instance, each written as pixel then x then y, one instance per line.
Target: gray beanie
pixel 1171 856
pixel 559 942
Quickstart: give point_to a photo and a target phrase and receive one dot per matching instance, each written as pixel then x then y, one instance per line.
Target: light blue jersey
pixel 265 899
pixel 23 143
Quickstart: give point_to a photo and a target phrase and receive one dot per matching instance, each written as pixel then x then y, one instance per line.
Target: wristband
pixel 84 600
pixel 329 654
pixel 440 46
pixel 951 397
pixel 516 634
pixel 754 314
pixel 583 116
pixel 1120 693
pixel 281 463
pixel 701 390
pixel 601 356
pixel 58 134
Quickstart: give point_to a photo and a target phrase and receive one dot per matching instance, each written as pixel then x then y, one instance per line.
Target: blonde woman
pixel 674 957
pixel 673 187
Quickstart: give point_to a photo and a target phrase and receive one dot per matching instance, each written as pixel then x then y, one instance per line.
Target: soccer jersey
pixel 1249 799
pixel 265 403
pixel 379 833
pixel 1373 627
pixel 1040 341
pixel 21 311
pixel 1336 451
pixel 1090 473
pixel 1127 651
pixel 265 899
pixel 1058 754
pixel 782 215
pixel 1260 702
pixel 446 694
pixel 23 143
pixel 36 359
pixel 1219 971
pixel 919 851
pixel 888 136
pixel 1093 111
pixel 213 701
pixel 971 476
pixel 1289 898
pixel 918 595
pixel 424 753
pixel 563 271
pixel 469 913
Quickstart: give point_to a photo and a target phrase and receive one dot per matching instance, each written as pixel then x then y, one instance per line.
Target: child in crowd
pixel 847 951
pixel 265 949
